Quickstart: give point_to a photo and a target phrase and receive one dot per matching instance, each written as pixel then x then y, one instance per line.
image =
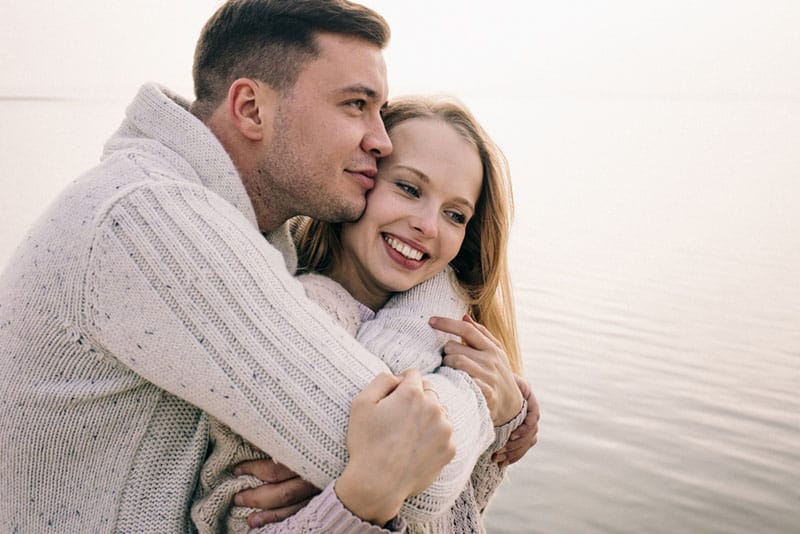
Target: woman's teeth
pixel 402 248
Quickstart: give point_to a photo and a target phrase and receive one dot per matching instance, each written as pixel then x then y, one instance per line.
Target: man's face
pixel 328 133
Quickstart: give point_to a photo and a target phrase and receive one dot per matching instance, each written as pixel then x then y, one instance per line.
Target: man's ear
pixel 250 104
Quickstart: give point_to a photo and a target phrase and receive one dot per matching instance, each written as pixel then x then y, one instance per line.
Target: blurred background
pixel 656 248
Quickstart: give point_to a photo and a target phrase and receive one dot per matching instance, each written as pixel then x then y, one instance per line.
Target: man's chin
pixel 346 214
pixel 353 211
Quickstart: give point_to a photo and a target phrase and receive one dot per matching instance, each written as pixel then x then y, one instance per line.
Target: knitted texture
pixel 213 511
pixel 142 299
pixel 335 300
pixel 415 344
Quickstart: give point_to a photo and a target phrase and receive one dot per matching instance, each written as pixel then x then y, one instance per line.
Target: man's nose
pixel 376 141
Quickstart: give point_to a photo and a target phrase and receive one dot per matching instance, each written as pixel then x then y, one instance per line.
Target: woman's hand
pixel 525 436
pixel 482 357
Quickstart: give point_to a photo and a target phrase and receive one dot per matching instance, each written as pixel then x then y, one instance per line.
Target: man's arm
pixel 182 290
pixel 401 337
pixel 383 470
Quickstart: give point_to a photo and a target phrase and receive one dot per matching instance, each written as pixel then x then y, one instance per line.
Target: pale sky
pixel 730 49
pixel 608 110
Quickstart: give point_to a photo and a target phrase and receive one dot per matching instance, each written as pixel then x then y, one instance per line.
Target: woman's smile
pixel 397 247
pixel 416 216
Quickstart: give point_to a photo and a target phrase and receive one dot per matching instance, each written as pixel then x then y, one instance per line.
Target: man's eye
pixel 358 104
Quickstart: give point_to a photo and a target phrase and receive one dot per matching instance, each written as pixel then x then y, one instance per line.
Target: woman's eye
pixel 457 217
pixel 408 189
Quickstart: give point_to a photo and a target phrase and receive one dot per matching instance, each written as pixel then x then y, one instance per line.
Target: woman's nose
pixel 425 221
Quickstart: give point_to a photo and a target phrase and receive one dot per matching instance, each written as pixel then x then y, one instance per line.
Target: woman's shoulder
pixel 334 299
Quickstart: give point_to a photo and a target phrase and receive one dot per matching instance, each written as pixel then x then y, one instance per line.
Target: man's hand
pixel 524 437
pixel 282 494
pixel 399 439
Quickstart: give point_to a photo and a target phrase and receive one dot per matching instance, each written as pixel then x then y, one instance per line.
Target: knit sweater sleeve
pixel 401 336
pixel 326 513
pixel 183 290
pixel 487 475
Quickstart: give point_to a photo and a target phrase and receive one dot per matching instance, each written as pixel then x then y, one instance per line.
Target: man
pixel 146 298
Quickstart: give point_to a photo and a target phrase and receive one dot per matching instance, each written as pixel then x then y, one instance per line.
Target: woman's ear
pixel 251 105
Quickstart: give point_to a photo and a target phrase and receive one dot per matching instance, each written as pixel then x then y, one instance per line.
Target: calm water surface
pixel 656 261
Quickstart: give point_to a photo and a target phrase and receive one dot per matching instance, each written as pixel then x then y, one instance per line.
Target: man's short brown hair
pixel 271 41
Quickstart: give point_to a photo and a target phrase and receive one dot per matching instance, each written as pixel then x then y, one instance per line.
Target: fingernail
pixel 513 437
pixel 237 472
pixel 500 458
pixel 237 500
pixel 257 522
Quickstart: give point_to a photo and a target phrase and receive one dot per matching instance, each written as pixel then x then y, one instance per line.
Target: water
pixel 656 262
pixel 657 275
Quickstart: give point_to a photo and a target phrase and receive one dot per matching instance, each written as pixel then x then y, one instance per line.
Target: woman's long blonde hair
pixel 481 265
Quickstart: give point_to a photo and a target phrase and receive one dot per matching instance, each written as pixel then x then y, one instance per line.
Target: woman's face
pixel 424 195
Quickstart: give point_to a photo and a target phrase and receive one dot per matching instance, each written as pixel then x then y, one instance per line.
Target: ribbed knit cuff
pixel 503 432
pixel 335 518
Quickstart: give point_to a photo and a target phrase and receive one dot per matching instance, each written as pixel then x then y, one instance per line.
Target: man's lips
pixel 365 177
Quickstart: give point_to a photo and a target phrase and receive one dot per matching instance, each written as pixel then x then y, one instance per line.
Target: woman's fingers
pixel 465 363
pixel 484 357
pixel 483 330
pixel 467 331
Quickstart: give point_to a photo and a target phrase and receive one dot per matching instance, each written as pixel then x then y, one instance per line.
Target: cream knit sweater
pixel 145 298
pixel 213 511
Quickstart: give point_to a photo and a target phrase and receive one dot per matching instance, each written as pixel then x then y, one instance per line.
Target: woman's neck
pixel 372 298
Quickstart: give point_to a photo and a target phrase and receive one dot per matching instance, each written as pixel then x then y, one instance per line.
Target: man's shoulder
pixel 144 162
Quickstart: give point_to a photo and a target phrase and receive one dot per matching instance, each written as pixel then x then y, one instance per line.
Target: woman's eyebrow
pixel 421 175
pixel 424 178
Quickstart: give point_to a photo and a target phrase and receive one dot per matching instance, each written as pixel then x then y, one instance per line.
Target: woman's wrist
pixel 515 404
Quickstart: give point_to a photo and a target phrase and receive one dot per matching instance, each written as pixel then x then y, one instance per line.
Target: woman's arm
pixel 524 437
pixel 482 356
pixel 488 474
pixel 401 336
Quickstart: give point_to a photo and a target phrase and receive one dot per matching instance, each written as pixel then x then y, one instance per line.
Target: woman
pixel 440 210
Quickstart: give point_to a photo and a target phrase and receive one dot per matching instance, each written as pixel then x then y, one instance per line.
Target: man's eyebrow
pixel 369 92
